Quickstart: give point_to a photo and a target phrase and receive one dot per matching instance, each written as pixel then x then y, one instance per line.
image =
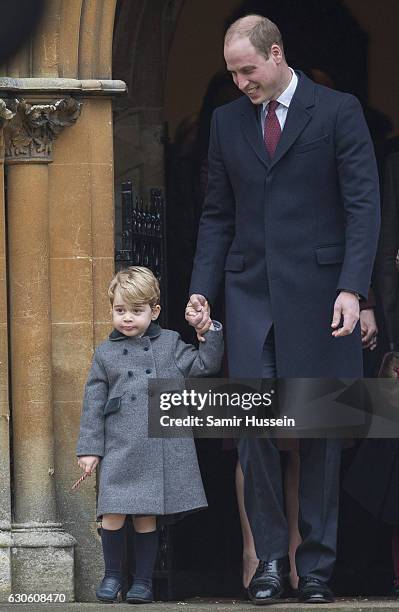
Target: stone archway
pixel 142 38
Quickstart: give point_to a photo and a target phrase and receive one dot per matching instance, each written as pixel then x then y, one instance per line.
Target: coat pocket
pixel 312 144
pixel 330 254
pixel 113 405
pixel 235 262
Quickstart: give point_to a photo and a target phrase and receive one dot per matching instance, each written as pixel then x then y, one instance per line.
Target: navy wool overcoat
pixel 288 233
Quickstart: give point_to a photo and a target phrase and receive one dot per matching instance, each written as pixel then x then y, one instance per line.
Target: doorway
pixel 168 54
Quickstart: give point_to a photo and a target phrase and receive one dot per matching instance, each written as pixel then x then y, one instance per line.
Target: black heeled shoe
pixel 109 590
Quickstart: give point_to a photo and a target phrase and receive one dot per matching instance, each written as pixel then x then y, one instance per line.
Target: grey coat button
pixel 148 371
pixel 125 351
pixel 130 373
pixel 133 398
pixel 146 348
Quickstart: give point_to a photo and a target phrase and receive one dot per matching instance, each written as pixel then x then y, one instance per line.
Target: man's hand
pixel 198 315
pixel 88 463
pixel 346 307
pixel 369 329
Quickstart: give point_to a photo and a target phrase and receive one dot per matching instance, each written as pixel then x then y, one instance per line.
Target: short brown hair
pixel 261 32
pixel 137 286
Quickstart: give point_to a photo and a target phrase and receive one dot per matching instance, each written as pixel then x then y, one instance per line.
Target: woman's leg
pixel 249 558
pixel 291 484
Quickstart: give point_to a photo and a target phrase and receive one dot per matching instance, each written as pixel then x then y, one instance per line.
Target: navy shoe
pixel 140 593
pixel 313 590
pixel 109 589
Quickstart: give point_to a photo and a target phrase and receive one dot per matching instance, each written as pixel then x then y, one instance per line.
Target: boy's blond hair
pixel 137 286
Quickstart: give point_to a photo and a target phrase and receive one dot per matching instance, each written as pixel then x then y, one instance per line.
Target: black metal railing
pixel 142 236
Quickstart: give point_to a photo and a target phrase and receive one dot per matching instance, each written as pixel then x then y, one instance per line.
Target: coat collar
pixel 298 116
pixel 153 331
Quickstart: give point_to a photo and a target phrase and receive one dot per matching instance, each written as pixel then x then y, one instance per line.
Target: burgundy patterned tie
pixel 272 131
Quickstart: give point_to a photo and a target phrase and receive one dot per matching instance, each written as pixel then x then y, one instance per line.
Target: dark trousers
pixel 318 495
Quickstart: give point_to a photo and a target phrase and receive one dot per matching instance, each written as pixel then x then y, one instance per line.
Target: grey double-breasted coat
pixel 138 474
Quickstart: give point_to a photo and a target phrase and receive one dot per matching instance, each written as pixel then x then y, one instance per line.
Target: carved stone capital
pixel 31 131
pixel 5 113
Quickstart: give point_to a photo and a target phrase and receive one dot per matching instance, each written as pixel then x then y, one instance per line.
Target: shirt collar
pixel 286 96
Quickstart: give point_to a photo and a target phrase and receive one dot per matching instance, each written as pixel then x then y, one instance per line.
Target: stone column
pixel 5 485
pixel 82 264
pixel 42 553
pixel 77 261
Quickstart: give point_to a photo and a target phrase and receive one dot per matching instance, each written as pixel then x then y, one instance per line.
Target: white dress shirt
pixel 284 101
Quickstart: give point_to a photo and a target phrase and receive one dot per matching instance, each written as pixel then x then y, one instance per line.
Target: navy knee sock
pixel 146 548
pixel 113 542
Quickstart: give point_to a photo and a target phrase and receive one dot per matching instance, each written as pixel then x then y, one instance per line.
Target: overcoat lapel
pixel 298 116
pixel 252 131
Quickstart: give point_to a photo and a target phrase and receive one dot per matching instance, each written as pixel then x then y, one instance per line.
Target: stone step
pixel 220 605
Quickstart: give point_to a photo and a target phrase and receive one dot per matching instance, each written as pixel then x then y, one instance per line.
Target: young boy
pixel 142 476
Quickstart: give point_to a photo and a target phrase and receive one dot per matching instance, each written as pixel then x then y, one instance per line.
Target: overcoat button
pixel 148 371
pixel 130 373
pixel 146 348
pixel 125 351
pixel 133 398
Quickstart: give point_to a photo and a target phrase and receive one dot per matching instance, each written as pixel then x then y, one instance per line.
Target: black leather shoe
pixel 139 594
pixel 313 590
pixel 268 583
pixel 109 589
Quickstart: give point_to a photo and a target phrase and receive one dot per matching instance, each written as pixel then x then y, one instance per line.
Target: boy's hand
pixel 198 315
pixel 88 463
pixel 369 329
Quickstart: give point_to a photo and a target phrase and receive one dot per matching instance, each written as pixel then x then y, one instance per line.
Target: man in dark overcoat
pixel 291 218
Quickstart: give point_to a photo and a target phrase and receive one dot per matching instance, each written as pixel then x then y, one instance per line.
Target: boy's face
pixel 132 320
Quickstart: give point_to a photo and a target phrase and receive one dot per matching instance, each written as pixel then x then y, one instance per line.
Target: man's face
pixel 257 77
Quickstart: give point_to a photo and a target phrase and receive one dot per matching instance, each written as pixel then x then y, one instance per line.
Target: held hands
pixel 198 315
pixel 88 463
pixel 346 307
pixel 368 328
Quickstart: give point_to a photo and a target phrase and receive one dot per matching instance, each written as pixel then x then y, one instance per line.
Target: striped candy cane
pixel 80 480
